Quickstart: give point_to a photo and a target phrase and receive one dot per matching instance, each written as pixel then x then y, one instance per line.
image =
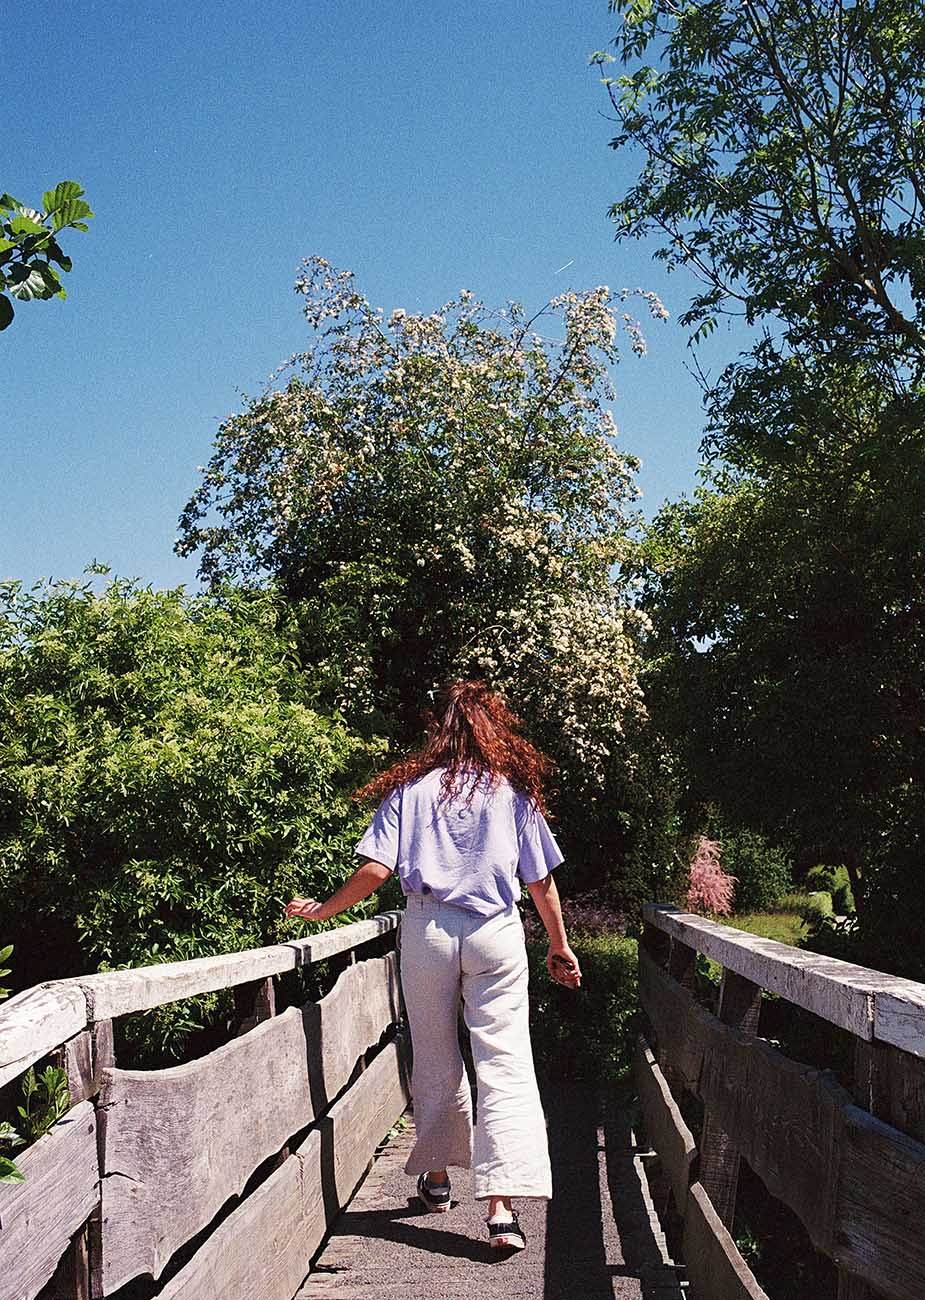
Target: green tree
pixel 783 148
pixel 441 495
pixel 782 166
pixel 167 783
pixel 787 601
pixel 31 259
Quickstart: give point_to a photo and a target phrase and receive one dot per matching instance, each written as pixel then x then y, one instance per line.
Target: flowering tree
pixel 442 494
pixel 711 889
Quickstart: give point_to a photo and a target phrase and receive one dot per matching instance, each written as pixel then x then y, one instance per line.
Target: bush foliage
pixel 167 782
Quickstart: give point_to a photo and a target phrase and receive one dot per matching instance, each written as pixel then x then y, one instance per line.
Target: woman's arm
pixel 561 962
pixel 365 880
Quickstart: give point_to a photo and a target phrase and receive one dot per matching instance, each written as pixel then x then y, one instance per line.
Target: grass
pixel 785 927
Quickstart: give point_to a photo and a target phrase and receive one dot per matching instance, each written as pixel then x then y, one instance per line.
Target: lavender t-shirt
pixel 471 856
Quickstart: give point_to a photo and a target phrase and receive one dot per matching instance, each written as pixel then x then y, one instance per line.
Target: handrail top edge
pixel 872 1004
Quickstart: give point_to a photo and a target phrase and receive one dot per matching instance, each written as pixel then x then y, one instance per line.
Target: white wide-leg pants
pixel 447 953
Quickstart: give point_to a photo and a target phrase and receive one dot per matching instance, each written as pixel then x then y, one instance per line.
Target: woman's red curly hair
pixel 471 727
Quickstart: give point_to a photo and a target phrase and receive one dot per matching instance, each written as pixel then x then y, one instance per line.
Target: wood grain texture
pixel 35 1022
pixel 781 1115
pixel 121 992
pixel 784 1118
pixel 316 947
pixel 880 1207
pixel 177 1143
pixel 714 1266
pixel 664 1125
pixel 681 1025
pixel 39 1217
pixel 866 1002
pixel 899 1017
pixel 739 1007
pixel 263 1249
pixel 856 1182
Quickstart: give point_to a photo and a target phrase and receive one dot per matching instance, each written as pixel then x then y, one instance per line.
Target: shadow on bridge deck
pixel 597 1238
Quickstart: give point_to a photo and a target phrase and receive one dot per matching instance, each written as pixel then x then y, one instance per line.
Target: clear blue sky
pixel 427 147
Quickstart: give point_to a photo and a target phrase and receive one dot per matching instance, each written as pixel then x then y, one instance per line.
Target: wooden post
pixel 740 1006
pixel 83 1058
pixel 656 943
pixel 104 1058
pixel 351 961
pixel 253 1002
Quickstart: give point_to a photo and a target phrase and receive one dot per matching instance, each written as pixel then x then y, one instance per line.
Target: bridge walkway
pixel 597 1239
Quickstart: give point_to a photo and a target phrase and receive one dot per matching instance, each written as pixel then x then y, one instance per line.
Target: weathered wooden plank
pixel 121 992
pixel 714 1266
pixel 880 1206
pixel 263 1249
pixel 899 1017
pixel 83 1058
pixel 258 1252
pixel 254 1002
pixel 837 991
pixel 316 947
pixel 782 1116
pixel 39 1217
pixel 357 1123
pixel 664 1124
pixel 179 1142
pixel 35 1022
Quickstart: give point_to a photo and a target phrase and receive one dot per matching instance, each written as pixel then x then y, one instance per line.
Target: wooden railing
pixel 221 1175
pixel 843 1153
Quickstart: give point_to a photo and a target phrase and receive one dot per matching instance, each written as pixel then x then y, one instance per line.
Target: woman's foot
pixel 505 1233
pixel 434 1195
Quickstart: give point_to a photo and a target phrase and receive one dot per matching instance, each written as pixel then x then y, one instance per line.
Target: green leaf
pixel 63 192
pixel 6 311
pixel 33 286
pixel 20 224
pixel 50 276
pixel 8 203
pixel 69 213
pixel 54 254
pixel 9 1173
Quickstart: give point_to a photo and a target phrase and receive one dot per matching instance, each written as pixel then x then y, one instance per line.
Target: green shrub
pixel 818 904
pixel 587 1033
pixel 166 784
pixel 762 870
pixel 842 895
pixel 821 877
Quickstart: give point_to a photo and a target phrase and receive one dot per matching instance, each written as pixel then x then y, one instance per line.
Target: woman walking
pixel 462 823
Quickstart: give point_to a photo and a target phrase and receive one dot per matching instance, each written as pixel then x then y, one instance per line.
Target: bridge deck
pixel 597 1238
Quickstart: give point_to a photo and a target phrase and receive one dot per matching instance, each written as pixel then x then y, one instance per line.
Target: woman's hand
pixel 308 908
pixel 562 965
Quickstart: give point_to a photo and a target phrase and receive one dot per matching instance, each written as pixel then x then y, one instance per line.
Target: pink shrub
pixel 711 888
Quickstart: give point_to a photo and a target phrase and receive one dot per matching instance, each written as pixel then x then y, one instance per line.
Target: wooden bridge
pixel 270 1167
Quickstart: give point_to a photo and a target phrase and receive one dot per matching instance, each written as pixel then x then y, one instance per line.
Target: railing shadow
pixel 598 1226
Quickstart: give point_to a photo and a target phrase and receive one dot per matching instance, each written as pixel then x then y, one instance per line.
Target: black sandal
pixel 435 1198
pixel 506 1235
